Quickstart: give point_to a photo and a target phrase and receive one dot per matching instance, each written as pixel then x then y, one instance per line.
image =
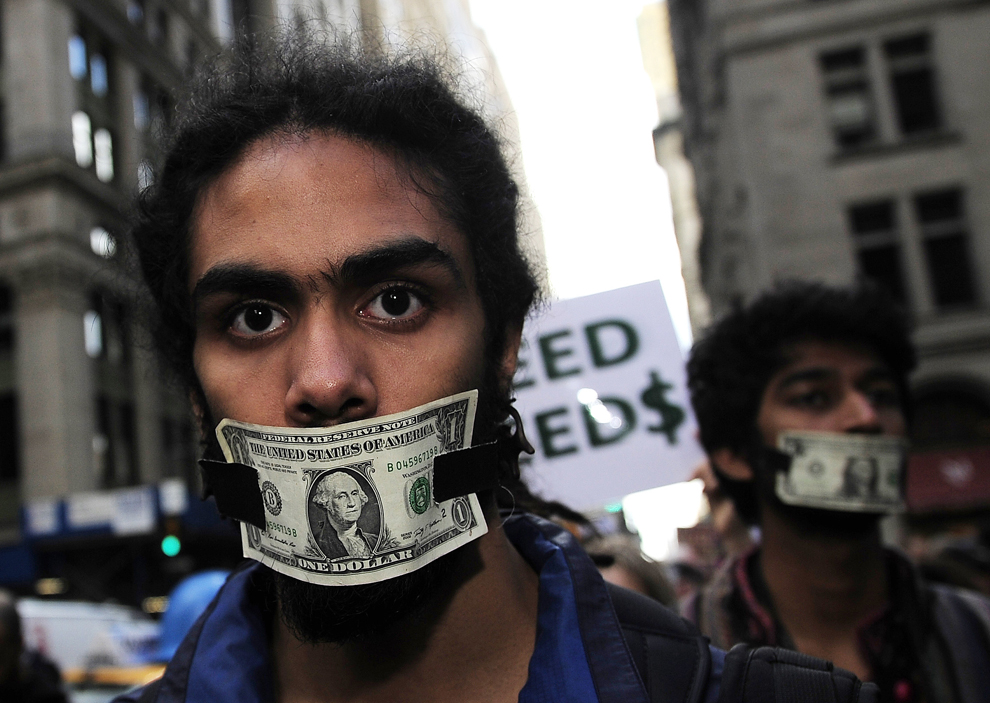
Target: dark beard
pixel 811 522
pixel 339 614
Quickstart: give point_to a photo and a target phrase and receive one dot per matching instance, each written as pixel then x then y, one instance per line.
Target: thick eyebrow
pixel 411 251
pixel 243 279
pixel 804 375
pixel 877 373
pixel 356 268
pixel 820 373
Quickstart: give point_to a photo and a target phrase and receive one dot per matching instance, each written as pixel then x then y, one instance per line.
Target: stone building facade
pixel 97 449
pixel 85 86
pixel 668 142
pixel 833 139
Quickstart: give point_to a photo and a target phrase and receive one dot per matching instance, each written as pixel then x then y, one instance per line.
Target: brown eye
pixel 394 304
pixel 256 319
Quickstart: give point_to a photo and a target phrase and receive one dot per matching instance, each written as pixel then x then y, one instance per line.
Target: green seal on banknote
pixel 419 495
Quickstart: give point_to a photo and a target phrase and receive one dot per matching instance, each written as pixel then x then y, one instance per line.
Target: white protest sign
pixel 601 390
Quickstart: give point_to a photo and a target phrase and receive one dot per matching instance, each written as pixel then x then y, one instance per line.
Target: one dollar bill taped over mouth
pixel 237 491
pixel 845 472
pixel 360 502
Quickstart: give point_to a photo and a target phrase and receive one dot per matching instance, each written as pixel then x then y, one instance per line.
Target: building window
pixel 114 448
pixel 6 321
pixel 108 342
pixel 94 121
pixel 850 101
pixel 103 148
pixel 108 333
pixel 878 248
pixel 944 245
pixel 135 12
pixel 87 57
pixel 77 57
pixel 99 79
pixel 849 93
pixel 9 438
pixel 142 110
pixel 92 148
pixel 9 433
pixel 943 230
pixel 912 83
pixel 152 108
pixel 3 131
pixel 178 449
pixel 82 138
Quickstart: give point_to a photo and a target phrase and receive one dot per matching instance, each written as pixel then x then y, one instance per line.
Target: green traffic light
pixel 171 545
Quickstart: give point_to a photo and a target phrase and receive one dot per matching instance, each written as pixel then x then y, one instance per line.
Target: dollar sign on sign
pixel 671 416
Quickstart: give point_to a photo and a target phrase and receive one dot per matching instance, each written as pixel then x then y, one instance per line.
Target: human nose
pixel 860 414
pixel 329 378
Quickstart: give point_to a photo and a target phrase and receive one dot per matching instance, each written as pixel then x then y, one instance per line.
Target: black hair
pixel 305 82
pixel 731 365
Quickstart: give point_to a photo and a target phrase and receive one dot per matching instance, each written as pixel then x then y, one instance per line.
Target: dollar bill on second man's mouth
pixel 851 472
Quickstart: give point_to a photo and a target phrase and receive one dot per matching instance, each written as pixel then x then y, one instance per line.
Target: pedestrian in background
pixel 25 676
pixel 803 358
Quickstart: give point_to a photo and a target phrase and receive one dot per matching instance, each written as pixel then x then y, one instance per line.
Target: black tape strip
pixel 235 487
pixel 465 471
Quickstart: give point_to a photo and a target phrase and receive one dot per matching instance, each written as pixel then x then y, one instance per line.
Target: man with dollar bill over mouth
pixel 332 239
pixel 802 400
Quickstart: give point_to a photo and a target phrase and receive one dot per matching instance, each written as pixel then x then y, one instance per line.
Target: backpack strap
pixel 675 663
pixel 671 656
pixel 767 674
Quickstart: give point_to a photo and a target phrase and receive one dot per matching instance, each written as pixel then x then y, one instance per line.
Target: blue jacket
pixel 580 654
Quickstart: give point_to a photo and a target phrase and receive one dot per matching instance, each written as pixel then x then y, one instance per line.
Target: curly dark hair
pixel 404 104
pixel 731 365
